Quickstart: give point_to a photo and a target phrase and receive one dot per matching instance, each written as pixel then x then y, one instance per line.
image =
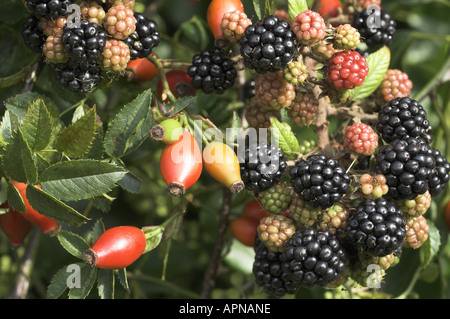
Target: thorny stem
pixel 211 271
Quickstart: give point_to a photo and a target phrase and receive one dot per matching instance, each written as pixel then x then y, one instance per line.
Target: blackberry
pixel 53 50
pixel 403 117
pixel 441 174
pixel 319 180
pixel 302 213
pixel 415 207
pixel 50 9
pixel 268 274
pixel 262 166
pixel 417 230
pixel 275 230
pixel 373 33
pixel 408 165
pixel 84 43
pixel 32 34
pixel 335 220
pixel 212 72
pixel 273 91
pixel 309 27
pixel 76 77
pixel 313 258
pixel 119 22
pixel 144 39
pixel 376 227
pixel 268 45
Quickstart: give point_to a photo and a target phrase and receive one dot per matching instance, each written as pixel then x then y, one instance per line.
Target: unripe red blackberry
pixel 53 27
pixel 295 72
pixel 115 56
pixel 277 198
pixel 257 116
pixel 268 45
pixel 304 108
pixel 417 230
pixel 395 84
pixel 32 34
pixel 334 220
pixel 275 230
pixel 347 70
pixel 417 206
pixel 303 213
pixel 361 139
pixel 373 186
pixel 50 9
pixel 92 11
pixel 53 50
pixel 401 118
pixel 144 39
pixel 272 91
pixel 309 27
pixel 120 22
pixel 234 24
pixel 319 180
pixel 212 71
pixel 346 37
pixel 313 258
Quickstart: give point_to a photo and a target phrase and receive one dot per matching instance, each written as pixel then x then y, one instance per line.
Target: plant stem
pixel 166 90
pixel 211 271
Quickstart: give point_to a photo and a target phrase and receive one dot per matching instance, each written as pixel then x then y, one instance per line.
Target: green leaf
pixel 259 8
pixel 232 133
pixel 97 230
pixel 173 108
pixel 76 139
pixel 58 284
pixel 18 163
pixel 105 283
pixel 10 123
pixel 378 63
pixel 431 246
pixel 88 277
pixel 51 207
pixel 14 198
pixel 295 7
pixel 269 7
pixel 20 103
pixel 153 235
pixel 36 126
pixel 73 243
pixel 285 138
pixel 80 179
pixel 130 127
pixel 131 183
pixel 122 274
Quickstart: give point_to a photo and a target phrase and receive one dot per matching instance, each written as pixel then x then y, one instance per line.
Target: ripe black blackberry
pixel 313 258
pixel 375 26
pixel 376 227
pixel 441 174
pixel 262 166
pixel 76 77
pixel 268 45
pixel 84 43
pixel 50 9
pixel 320 181
pixel 212 72
pixel 32 34
pixel 268 273
pixel 408 165
pixel 403 117
pixel 144 39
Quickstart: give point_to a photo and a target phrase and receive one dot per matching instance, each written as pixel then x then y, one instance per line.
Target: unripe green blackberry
pixel 295 72
pixel 334 220
pixel 366 276
pixel 384 262
pixel 302 213
pixel 346 37
pixel 417 230
pixel 277 198
pixel 257 116
pixel 92 11
pixel 307 146
pixel 417 206
pixel 275 230
pixel 273 91
pixel 304 108
pixel 373 186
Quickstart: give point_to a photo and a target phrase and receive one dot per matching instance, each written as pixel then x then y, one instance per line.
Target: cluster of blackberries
pixel 97 44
